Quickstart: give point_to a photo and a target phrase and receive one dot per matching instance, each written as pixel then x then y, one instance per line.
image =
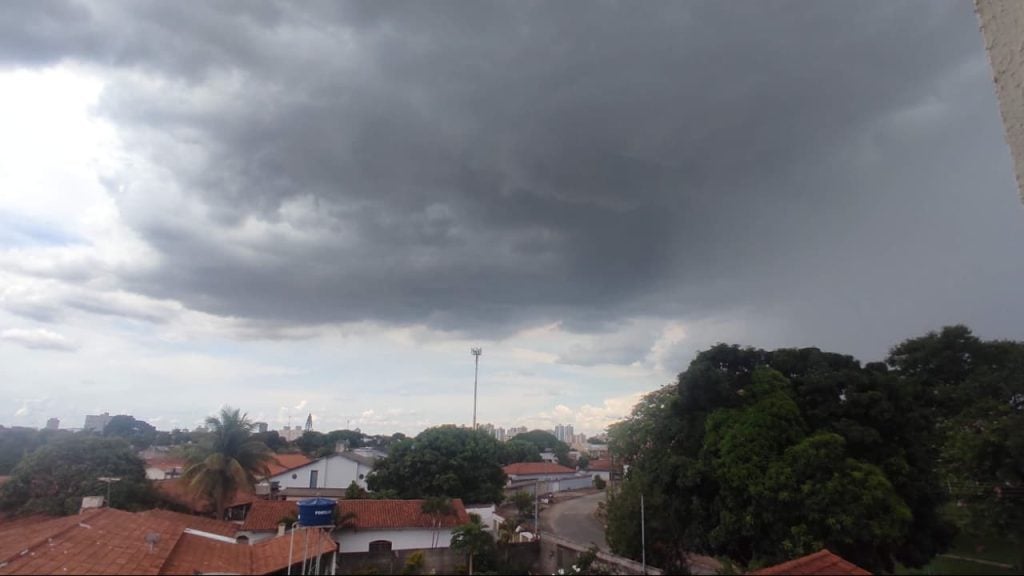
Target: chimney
pixel 281 528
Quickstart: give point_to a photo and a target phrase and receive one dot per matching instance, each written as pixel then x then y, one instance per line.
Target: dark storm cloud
pixel 483 166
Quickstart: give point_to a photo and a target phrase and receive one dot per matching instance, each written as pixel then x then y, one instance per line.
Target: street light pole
pixel 476 352
pixel 643 535
pixel 108 480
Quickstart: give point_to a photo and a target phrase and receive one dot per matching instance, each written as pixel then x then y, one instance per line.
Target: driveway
pixel 574 520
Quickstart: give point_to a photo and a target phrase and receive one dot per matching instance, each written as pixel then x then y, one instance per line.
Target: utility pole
pixel 643 536
pixel 536 508
pixel 476 352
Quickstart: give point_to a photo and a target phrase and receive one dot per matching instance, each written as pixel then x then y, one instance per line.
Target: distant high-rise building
pixel 261 427
pixel 96 422
pixel 499 433
pixel 564 433
pixel 309 423
pixel 53 424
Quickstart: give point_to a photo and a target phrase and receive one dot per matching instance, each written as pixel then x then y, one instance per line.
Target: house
pixel 601 467
pixel 376 525
pixel 821 562
pixel 111 541
pixel 336 471
pixel 175 493
pixel 545 477
pixel 536 471
pixel 548 456
pixel 164 467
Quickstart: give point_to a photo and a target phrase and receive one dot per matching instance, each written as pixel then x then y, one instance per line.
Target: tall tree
pixel 139 433
pixel 443 461
pixel 54 478
pixel 545 441
pixel 229 459
pixel 717 463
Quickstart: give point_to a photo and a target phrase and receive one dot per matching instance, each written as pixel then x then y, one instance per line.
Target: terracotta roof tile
pixel 369 514
pixel 270 556
pixel 110 541
pixel 210 525
pixel 283 462
pixel 821 562
pixel 600 465
pixel 175 491
pixel 196 554
pixel 267 514
pixel 531 468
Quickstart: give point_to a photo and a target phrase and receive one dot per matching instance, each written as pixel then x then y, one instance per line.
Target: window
pixel 313 474
pixel 380 547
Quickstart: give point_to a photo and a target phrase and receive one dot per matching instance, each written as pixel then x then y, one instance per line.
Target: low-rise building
pixel 336 471
pixel 369 525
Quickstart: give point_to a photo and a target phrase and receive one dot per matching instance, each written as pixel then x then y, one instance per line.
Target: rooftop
pixel 111 541
pixel 265 515
pixel 821 562
pixel 525 468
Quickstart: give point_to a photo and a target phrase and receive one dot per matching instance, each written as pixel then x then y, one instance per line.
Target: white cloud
pixel 38 339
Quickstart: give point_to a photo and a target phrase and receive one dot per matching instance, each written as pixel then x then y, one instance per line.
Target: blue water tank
pixel 316 512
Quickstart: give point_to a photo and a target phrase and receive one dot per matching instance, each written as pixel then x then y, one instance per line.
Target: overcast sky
pixel 294 207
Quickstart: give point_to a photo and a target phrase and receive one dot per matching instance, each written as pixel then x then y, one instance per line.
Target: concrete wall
pixel 557 553
pixel 1002 24
pixel 520 558
pixel 410 539
pixel 334 471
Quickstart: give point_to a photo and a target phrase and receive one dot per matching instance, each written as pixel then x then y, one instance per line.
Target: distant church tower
pixel 309 423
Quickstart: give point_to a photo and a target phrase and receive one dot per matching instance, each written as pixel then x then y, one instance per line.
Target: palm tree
pixel 229 459
pixel 472 539
pixel 507 531
pixel 436 507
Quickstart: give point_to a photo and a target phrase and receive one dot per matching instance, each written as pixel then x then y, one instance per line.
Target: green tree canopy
pixel 54 478
pixel 139 433
pixel 763 455
pixel 228 459
pixel 544 441
pixel 516 450
pixel 443 461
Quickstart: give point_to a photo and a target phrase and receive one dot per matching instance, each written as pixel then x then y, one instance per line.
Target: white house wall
pixel 410 539
pixel 332 472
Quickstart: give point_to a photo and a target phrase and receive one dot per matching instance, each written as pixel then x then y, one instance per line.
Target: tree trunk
pixel 471 564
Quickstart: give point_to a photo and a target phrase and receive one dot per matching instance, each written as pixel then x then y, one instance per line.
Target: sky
pixel 322 206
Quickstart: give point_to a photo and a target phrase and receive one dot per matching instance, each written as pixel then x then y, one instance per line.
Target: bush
pixel 599 483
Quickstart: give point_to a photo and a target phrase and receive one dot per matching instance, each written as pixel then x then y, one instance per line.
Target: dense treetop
pixel 760 456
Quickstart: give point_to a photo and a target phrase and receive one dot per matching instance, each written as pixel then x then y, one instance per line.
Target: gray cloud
pixel 37 339
pixel 481 167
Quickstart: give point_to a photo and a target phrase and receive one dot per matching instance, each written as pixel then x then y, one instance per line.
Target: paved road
pixel 574 520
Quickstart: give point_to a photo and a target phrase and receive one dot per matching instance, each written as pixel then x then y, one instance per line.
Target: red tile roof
pixel 284 462
pixel 166 463
pixel 369 514
pixel 210 525
pixel 267 514
pixel 175 491
pixel 821 562
pixel 535 468
pixel 271 556
pixel 110 541
pixel 600 465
